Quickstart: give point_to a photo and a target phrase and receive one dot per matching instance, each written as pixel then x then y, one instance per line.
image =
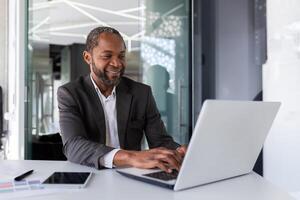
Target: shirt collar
pixel 113 93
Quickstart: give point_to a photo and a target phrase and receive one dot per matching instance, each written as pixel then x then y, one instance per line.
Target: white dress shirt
pixel 110 113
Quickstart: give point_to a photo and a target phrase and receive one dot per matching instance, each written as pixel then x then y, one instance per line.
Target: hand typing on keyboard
pixel 162 158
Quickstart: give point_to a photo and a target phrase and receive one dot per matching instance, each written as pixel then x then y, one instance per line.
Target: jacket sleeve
pixel 76 146
pixel 155 130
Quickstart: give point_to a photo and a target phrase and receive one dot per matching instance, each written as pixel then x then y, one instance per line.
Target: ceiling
pixel 65 22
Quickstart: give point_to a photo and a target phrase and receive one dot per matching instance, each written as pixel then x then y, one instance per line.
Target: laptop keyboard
pixel 163 175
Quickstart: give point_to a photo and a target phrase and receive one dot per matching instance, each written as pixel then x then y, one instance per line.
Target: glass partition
pixel 157 35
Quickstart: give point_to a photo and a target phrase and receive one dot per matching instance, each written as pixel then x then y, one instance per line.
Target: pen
pixel 19 178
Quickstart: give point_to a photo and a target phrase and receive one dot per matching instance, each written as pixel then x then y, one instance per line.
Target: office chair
pixel 47 147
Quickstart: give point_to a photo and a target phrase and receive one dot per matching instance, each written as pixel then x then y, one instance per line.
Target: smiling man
pixel 104 115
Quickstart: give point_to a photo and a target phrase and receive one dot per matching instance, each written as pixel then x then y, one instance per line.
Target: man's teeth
pixel 114 72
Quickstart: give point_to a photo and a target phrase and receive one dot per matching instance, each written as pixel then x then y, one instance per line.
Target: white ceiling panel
pixel 69 21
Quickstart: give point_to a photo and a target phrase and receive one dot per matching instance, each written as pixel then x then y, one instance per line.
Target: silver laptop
pixel 226 142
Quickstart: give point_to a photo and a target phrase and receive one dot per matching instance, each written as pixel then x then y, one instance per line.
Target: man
pixel 104 115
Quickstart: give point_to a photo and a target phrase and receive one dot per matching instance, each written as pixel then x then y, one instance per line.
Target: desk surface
pixel 109 185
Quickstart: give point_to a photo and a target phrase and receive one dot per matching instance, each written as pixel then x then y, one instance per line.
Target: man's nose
pixel 116 62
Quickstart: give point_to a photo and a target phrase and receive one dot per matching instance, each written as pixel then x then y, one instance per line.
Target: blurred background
pixel 186 50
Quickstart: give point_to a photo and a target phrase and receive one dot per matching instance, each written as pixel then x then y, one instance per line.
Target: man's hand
pixel 182 150
pixel 162 158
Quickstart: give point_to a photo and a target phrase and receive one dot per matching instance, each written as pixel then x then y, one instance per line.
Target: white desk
pixel 109 185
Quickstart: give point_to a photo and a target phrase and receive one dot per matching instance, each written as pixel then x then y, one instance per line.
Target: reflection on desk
pixel 109 185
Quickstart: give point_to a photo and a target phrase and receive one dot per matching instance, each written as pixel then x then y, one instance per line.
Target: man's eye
pixel 122 56
pixel 106 56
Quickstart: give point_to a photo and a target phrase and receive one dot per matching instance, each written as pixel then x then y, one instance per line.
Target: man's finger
pixel 162 166
pixel 169 161
pixel 182 150
pixel 172 153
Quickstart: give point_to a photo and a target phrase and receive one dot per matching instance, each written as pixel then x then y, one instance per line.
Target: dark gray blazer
pixel 82 121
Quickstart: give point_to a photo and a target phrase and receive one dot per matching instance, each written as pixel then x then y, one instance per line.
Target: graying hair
pixel 92 38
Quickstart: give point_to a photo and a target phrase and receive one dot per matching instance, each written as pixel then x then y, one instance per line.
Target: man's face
pixel 107 59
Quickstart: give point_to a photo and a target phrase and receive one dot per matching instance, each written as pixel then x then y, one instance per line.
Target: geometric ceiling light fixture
pixel 79 28
pixel 69 29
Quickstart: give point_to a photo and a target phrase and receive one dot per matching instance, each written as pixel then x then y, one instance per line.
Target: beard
pixel 102 75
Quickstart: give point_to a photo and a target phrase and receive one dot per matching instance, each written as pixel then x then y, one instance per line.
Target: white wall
pixel 3 64
pixel 16 76
pixel 281 82
pixel 3 47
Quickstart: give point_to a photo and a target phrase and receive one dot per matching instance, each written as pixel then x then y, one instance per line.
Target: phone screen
pixel 68 178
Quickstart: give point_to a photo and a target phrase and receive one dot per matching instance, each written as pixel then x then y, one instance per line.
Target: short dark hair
pixel 92 38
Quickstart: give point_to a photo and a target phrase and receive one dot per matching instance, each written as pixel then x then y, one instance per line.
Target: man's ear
pixel 87 57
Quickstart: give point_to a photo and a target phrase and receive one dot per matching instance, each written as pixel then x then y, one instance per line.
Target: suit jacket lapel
pixel 123 104
pixel 99 113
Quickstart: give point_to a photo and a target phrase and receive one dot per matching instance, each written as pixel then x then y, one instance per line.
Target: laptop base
pixel 153 182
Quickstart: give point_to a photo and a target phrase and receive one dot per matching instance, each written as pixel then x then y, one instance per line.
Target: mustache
pixel 115 71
